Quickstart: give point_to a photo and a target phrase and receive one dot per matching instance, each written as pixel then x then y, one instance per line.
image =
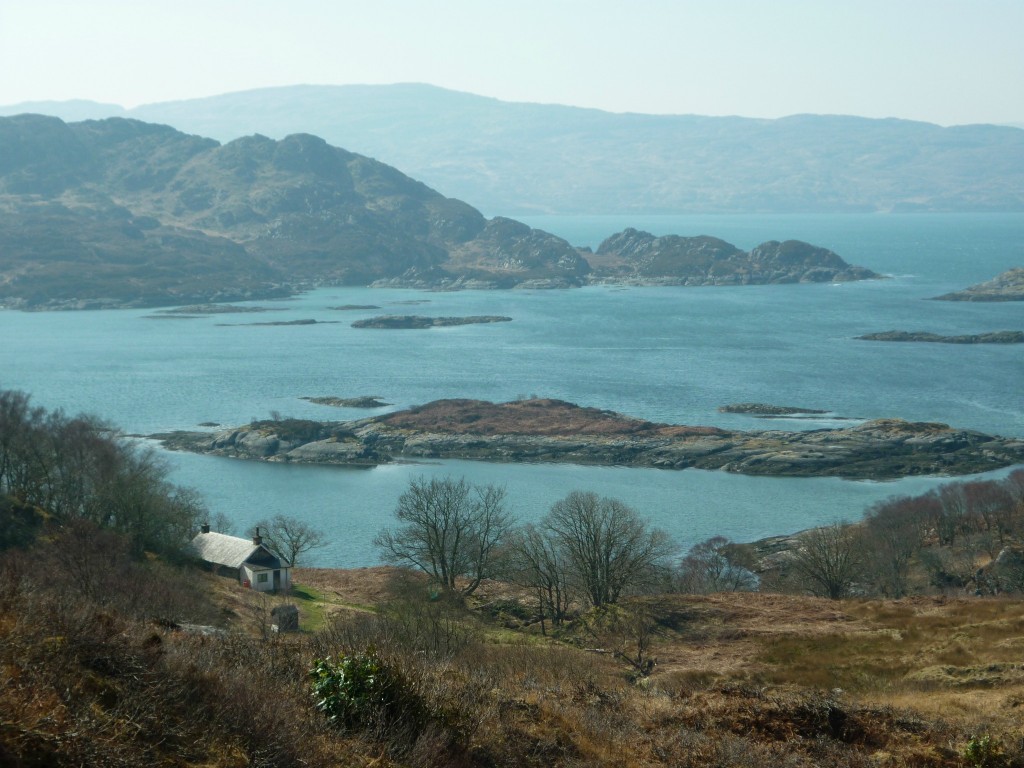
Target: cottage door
pixel 277 580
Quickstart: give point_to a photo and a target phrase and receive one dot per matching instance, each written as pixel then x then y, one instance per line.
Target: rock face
pixel 996 337
pixel 640 257
pixel 555 431
pixel 1009 286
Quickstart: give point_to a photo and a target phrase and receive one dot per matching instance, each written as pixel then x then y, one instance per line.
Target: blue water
pixel 666 354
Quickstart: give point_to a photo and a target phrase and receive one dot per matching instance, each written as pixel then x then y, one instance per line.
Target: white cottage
pixel 248 560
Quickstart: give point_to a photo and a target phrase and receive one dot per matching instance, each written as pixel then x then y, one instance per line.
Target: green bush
pixel 984 752
pixel 362 691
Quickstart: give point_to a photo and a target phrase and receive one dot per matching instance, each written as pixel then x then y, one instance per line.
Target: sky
pixel 942 61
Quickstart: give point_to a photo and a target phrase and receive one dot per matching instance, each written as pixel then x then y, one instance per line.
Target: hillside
pixel 122 211
pixel 112 669
pixel 117 212
pixel 517 158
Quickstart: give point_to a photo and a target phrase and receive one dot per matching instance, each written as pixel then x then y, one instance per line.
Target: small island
pixel 554 431
pixel 995 337
pixel 420 321
pixel 352 307
pixel 1008 286
pixel 364 401
pixel 216 309
pixel 305 321
pixel 767 411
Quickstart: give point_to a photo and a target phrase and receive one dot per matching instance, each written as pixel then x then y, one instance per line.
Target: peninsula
pixel 544 430
pixel 1008 286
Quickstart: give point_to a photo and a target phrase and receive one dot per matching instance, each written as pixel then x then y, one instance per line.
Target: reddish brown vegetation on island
pixel 538 416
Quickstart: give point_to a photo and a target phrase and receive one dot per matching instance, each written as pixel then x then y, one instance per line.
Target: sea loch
pixel 665 354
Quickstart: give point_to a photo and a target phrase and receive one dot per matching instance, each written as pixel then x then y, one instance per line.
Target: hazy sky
pixel 944 61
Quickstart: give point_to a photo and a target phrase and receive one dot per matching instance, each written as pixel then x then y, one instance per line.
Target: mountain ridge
pixel 517 158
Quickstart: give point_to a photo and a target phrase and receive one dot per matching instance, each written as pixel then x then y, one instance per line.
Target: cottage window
pixel 261 578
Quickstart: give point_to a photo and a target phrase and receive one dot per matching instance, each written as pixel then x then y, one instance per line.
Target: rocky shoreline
pixel 1008 286
pixel 542 430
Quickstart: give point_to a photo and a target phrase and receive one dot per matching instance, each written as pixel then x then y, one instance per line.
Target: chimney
pixel 204 528
pixel 257 539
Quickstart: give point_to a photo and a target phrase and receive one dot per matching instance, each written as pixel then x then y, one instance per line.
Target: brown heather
pixel 98 670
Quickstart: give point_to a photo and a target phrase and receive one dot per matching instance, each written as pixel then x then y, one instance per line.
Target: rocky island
pixel 767 411
pixel 640 258
pixel 1008 286
pixel 363 401
pixel 419 321
pixel 544 430
pixel 995 337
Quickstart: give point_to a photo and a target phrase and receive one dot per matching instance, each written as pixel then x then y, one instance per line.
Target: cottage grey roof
pixel 232 551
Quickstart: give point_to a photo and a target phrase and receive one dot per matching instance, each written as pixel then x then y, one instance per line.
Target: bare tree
pixel 450 530
pixel 606 545
pixel 828 560
pixel 708 568
pixel 992 506
pixel 952 519
pixel 289 536
pixel 538 562
pixel 893 534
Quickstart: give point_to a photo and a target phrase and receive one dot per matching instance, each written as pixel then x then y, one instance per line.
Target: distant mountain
pixel 515 159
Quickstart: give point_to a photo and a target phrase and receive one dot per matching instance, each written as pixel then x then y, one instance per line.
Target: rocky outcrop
pixel 555 431
pixel 641 258
pixel 1009 286
pixel 280 441
pixel 995 337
